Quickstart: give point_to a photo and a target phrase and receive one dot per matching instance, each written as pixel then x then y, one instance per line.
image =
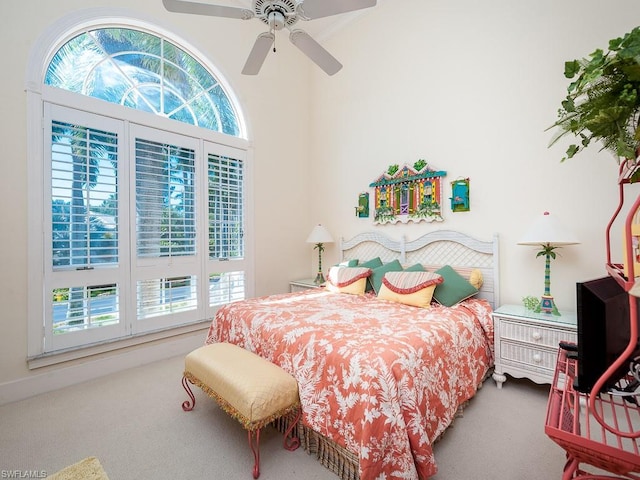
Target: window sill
pixel 69 355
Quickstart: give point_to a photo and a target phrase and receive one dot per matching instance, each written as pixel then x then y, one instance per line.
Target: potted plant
pixel 531 303
pixel 603 99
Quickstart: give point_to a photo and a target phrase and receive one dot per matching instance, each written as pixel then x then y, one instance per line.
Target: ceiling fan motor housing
pixel 276 13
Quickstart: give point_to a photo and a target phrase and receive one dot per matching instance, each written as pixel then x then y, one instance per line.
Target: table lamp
pixel 319 235
pixel 549 234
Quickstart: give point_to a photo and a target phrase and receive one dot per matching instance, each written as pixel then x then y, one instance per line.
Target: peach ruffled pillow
pixel 352 280
pixel 409 288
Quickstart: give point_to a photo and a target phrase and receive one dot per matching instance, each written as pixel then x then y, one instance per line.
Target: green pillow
pixel 377 274
pixel 454 289
pixel 415 268
pixel 373 263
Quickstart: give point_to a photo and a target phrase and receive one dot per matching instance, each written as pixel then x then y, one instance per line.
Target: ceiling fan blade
pixel 315 51
pixel 183 6
pixel 312 9
pixel 258 53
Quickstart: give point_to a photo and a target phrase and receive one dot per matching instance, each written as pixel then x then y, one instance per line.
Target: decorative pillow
pixel 377 274
pixel 454 289
pixel 373 263
pixel 415 268
pixel 352 280
pixel 348 263
pixel 409 288
pixel 476 278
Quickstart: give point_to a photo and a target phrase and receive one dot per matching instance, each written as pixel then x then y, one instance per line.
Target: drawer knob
pixel 537 335
pixel 537 358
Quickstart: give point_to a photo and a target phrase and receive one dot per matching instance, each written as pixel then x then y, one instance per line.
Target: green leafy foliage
pixel 603 100
pixel 547 249
pixel 530 302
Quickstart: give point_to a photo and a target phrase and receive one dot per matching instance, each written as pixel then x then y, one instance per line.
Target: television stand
pixel 601 425
pixel 572 422
pixel 625 274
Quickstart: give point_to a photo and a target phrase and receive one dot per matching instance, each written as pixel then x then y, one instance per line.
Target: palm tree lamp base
pixel 547 305
pixel 319 235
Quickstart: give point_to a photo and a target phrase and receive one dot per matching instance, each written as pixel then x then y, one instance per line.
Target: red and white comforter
pixel 380 378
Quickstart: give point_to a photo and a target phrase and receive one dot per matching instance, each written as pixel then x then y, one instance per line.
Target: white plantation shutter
pixel 83 195
pixel 165 199
pixel 141 238
pixel 84 280
pixel 164 218
pixel 166 296
pixel 227 266
pixel 81 308
pixel 226 209
pixel 226 288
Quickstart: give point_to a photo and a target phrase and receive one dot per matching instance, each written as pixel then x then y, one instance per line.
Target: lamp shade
pixel 547 230
pixel 319 234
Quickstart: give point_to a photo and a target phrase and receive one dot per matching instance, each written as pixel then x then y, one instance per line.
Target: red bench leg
pixel 291 442
pixel 186 405
pixel 255 448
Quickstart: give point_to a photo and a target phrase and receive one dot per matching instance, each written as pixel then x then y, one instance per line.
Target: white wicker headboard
pixel 433 250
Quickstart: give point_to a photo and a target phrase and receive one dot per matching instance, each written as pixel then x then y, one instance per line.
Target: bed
pixel 379 380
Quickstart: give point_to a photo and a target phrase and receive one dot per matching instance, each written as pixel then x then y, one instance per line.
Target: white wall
pixel 469 86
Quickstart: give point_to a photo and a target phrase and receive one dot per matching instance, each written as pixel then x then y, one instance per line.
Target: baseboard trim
pixel 65 376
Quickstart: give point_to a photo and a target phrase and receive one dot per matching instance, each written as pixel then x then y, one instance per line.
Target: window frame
pixel 38 194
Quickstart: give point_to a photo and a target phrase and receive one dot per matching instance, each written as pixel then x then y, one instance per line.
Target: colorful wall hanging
pixel 460 195
pixel 362 210
pixel 408 194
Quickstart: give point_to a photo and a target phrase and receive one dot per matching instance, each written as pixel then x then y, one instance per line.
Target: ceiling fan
pixel 279 14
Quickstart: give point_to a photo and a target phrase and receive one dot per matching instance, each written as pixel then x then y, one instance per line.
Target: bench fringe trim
pixel 231 410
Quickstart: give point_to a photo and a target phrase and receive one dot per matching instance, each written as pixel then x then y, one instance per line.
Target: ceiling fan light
pixel 276 20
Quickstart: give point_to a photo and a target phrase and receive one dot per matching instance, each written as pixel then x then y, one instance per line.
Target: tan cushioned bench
pixel 248 387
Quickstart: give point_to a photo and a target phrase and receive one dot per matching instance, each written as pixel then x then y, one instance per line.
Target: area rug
pixel 87 469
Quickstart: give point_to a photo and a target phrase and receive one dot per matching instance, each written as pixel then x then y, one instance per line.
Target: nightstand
pixel 526 343
pixel 304 284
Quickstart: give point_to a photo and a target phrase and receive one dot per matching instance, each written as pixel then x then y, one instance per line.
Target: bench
pixel 248 387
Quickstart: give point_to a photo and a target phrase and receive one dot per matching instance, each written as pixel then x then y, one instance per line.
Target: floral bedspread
pixel 379 378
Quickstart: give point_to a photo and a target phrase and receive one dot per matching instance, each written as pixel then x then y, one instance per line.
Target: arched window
pixel 140 191
pixel 143 71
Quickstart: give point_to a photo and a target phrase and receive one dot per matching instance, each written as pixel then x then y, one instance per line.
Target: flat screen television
pixel 603 331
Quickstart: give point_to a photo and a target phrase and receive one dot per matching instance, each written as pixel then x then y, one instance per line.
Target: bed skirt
pixel 335 457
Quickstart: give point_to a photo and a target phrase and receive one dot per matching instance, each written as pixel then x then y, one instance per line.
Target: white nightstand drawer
pixel 534 334
pixel 528 357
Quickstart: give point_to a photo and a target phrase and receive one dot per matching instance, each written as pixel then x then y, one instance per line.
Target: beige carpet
pixel 133 422
pixel 87 469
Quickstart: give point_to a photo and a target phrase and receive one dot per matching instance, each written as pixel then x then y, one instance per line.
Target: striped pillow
pixel 351 280
pixel 409 288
